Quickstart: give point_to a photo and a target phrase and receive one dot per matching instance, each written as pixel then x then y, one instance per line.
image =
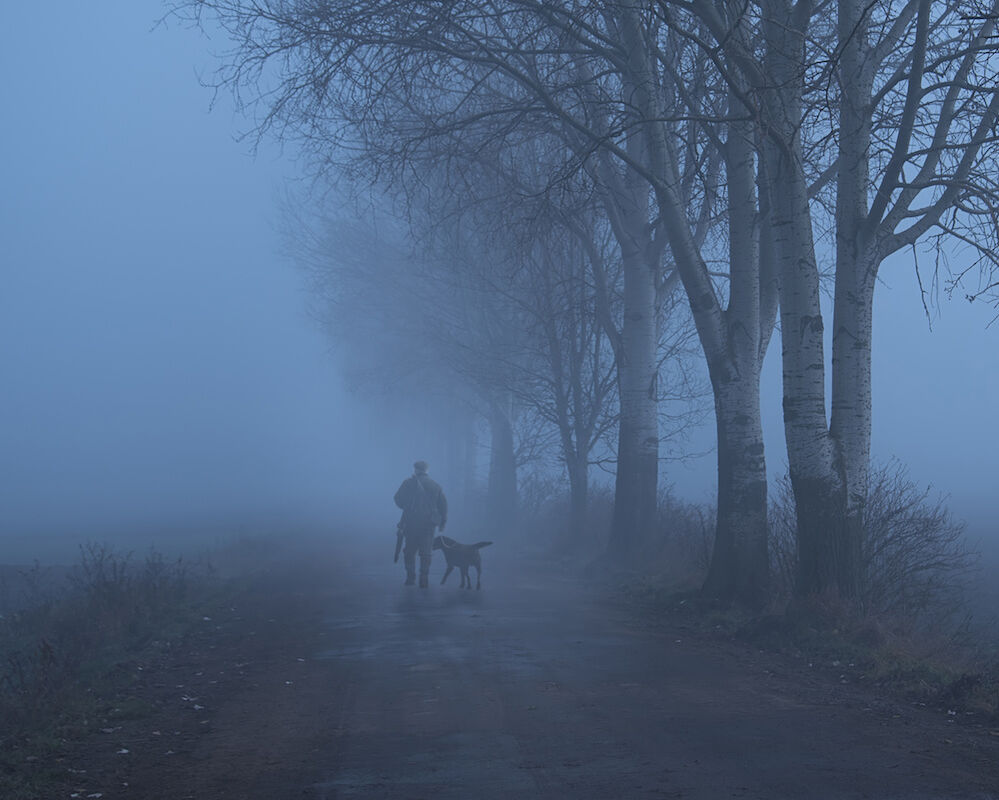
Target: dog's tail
pixel 479 545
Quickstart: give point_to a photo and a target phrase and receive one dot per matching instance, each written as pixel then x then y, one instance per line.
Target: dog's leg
pixel 446 573
pixel 478 577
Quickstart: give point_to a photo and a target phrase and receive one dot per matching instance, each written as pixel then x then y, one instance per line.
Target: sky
pixel 158 364
pixel 159 368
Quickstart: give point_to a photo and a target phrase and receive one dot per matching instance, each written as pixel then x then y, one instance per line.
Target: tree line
pixel 595 186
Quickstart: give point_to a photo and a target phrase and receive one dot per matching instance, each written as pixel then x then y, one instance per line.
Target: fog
pixel 162 380
pixel 160 372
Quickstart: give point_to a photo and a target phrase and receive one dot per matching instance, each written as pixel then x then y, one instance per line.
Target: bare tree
pixel 600 77
pixel 884 113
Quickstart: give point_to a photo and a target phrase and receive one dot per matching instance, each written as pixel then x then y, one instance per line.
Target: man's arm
pixel 401 498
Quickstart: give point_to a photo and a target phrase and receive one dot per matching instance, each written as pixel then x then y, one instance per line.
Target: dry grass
pixel 66 642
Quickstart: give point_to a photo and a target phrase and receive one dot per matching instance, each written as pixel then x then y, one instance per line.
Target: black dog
pixel 461 556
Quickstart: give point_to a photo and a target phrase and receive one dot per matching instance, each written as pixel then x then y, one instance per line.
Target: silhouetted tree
pixel 885 114
pixel 602 79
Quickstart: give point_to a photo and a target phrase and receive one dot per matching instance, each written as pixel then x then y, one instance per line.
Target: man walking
pixel 424 508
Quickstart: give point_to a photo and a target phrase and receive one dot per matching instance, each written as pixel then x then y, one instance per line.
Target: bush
pixel 915 557
pixel 545 518
pixel 687 536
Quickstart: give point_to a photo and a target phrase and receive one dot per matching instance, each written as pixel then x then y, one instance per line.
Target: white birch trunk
pixel 733 341
pixel 850 424
pixel 740 562
pixel 856 268
pixel 816 471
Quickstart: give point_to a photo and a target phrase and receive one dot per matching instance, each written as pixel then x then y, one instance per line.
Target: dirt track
pixel 534 687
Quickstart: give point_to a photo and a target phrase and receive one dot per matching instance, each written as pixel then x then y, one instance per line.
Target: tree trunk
pixel 733 341
pixel 579 490
pixel 740 568
pixel 850 426
pixel 636 497
pixel 471 466
pixel 824 560
pixel 856 269
pixel 635 490
pixel 457 424
pixel 740 563
pixel 502 468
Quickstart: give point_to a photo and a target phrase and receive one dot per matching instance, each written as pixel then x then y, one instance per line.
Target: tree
pixel 600 77
pixel 885 112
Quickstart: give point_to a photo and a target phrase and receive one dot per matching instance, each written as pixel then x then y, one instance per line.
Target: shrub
pixel 70 633
pixel 915 558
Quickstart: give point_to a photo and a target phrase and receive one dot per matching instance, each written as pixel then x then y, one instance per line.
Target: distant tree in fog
pixel 565 371
pixel 409 325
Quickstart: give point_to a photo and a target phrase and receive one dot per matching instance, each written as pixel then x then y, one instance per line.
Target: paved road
pixel 537 688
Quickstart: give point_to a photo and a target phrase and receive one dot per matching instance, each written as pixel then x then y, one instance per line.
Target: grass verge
pixel 70 649
pixel 952 667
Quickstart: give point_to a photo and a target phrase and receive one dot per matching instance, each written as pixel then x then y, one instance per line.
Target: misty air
pixel 544 399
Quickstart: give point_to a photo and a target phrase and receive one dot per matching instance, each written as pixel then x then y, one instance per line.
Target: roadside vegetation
pixel 74 642
pixel 71 645
pixel 919 629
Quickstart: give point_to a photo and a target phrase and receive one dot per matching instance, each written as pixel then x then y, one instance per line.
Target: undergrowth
pixel 68 649
pixel 910 631
pixel 953 668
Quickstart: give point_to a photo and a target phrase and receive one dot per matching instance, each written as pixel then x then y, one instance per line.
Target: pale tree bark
pixel 920 106
pixel 824 550
pixel 739 563
pixel 635 348
pixel 734 339
pixel 856 269
pixel 947 109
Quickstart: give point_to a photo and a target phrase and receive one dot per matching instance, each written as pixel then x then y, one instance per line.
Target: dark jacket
pixel 406 498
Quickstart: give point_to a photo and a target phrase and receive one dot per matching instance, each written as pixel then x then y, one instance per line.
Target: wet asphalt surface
pixel 537 687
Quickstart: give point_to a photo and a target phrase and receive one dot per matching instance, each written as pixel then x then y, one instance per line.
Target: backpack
pixel 422 508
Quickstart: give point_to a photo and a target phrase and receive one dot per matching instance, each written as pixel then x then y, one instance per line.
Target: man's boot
pixel 410 579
